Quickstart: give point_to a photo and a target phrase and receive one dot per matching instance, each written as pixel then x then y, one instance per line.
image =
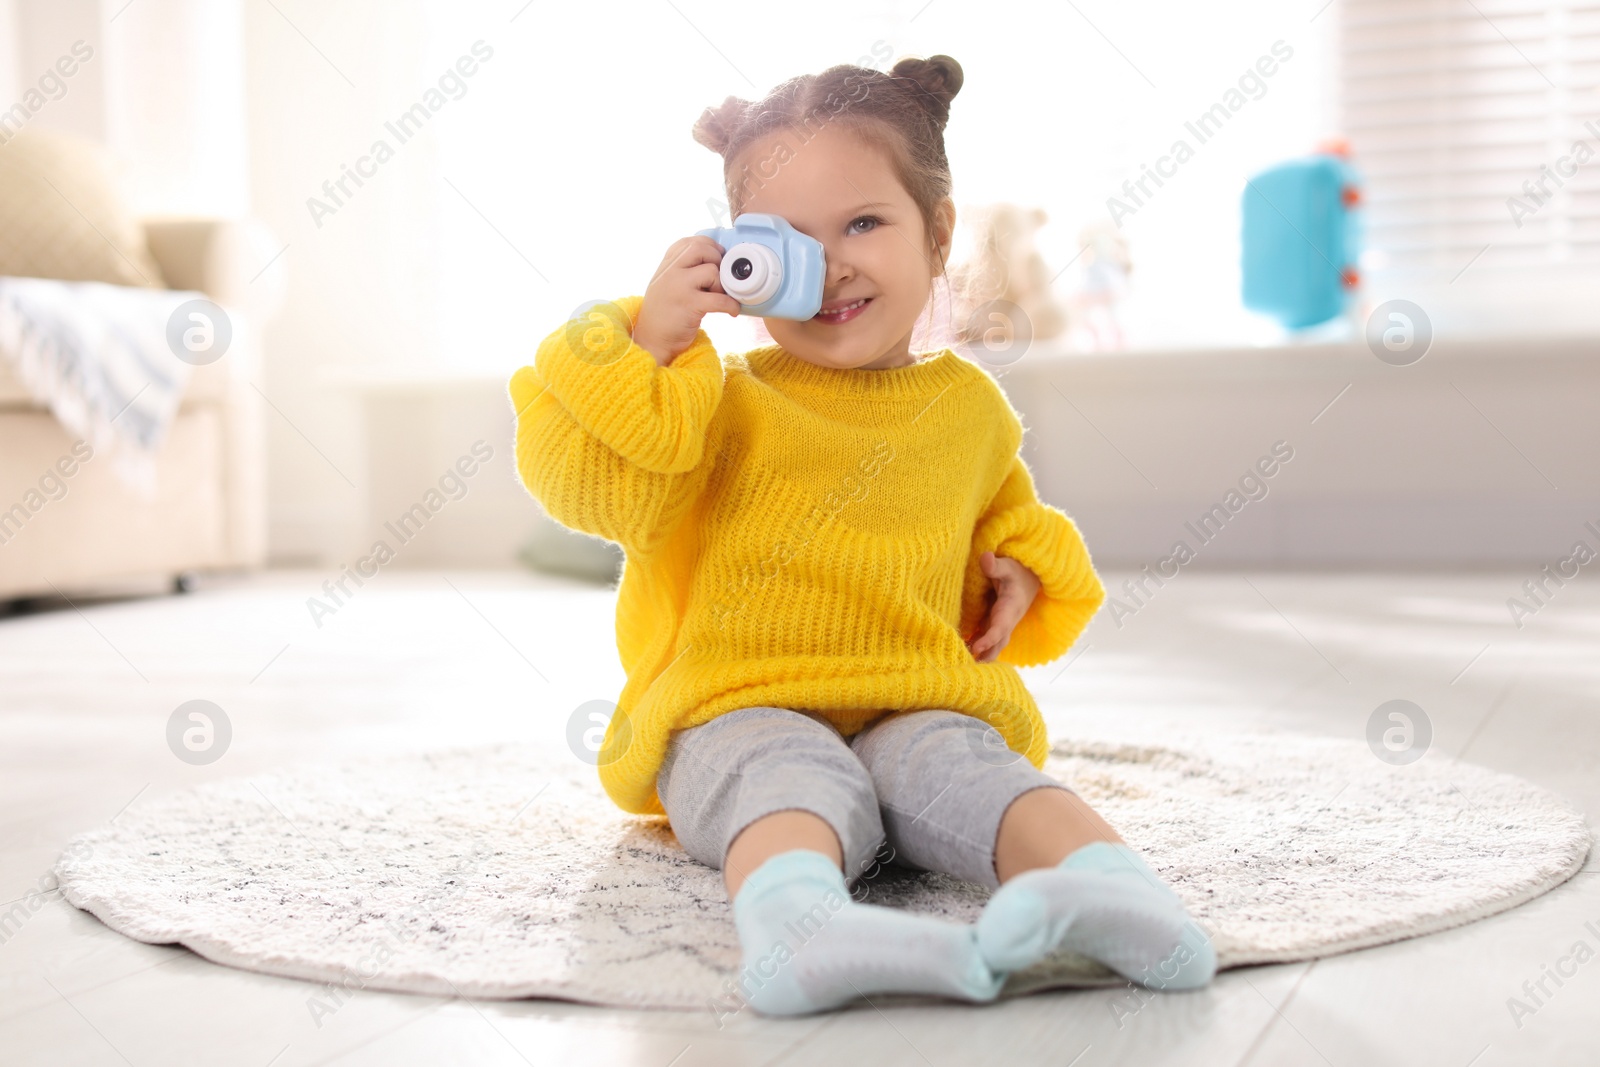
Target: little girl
pixel 835 561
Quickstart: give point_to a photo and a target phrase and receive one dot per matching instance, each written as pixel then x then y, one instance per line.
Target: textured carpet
pixel 504 871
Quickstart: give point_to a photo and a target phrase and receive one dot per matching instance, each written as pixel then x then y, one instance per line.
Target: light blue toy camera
pixel 771 268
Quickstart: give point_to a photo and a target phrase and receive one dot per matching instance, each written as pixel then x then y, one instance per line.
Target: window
pixel 1473 123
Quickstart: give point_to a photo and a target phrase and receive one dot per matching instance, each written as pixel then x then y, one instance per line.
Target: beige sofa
pixel 91 532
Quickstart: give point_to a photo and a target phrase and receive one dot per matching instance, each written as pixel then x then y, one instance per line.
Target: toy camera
pixel 1300 239
pixel 771 268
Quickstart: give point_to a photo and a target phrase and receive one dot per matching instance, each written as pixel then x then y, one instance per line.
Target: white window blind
pixel 1467 121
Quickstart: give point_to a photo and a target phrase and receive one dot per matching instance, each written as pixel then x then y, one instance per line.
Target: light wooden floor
pixel 462 658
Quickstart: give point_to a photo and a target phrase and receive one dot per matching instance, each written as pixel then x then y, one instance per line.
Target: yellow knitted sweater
pixel 795 536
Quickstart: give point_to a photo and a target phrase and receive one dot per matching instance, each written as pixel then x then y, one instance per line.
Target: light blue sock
pixel 809 947
pixel 1102 901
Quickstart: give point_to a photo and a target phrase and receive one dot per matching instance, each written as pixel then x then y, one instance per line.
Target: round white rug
pixel 505 872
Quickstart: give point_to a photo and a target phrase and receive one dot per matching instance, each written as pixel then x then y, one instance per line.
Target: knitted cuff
pixel 655 417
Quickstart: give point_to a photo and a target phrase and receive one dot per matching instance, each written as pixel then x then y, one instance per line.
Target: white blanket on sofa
pixel 97 356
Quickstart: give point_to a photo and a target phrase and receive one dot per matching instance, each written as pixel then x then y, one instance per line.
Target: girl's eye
pixel 864 218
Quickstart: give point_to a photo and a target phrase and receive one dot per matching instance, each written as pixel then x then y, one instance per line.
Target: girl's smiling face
pixel 840 189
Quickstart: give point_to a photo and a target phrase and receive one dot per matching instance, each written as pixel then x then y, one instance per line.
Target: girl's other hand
pixel 1015 586
pixel 686 287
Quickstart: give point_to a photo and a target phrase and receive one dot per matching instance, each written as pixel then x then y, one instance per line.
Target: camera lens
pixel 751 273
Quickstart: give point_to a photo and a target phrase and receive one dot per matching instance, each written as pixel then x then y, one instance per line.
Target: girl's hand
pixel 1015 586
pixel 685 289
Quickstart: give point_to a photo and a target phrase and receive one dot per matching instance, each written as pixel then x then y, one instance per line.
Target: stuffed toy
pixel 1004 264
pixel 1104 265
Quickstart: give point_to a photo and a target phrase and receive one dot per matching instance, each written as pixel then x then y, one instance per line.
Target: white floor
pixel 421 659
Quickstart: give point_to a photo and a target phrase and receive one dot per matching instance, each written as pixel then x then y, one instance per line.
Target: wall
pixel 33 35
pixel 322 82
pixel 1483 452
pixel 163 91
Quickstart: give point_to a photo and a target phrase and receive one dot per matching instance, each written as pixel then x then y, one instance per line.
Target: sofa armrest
pixel 223 258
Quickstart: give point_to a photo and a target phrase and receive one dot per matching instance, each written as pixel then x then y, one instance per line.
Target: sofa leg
pixel 185 582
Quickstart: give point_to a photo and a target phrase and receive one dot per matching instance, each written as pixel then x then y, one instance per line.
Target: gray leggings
pixel 942 780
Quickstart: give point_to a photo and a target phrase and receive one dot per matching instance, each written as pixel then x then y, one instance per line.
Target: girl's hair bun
pixel 938 78
pixel 716 126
